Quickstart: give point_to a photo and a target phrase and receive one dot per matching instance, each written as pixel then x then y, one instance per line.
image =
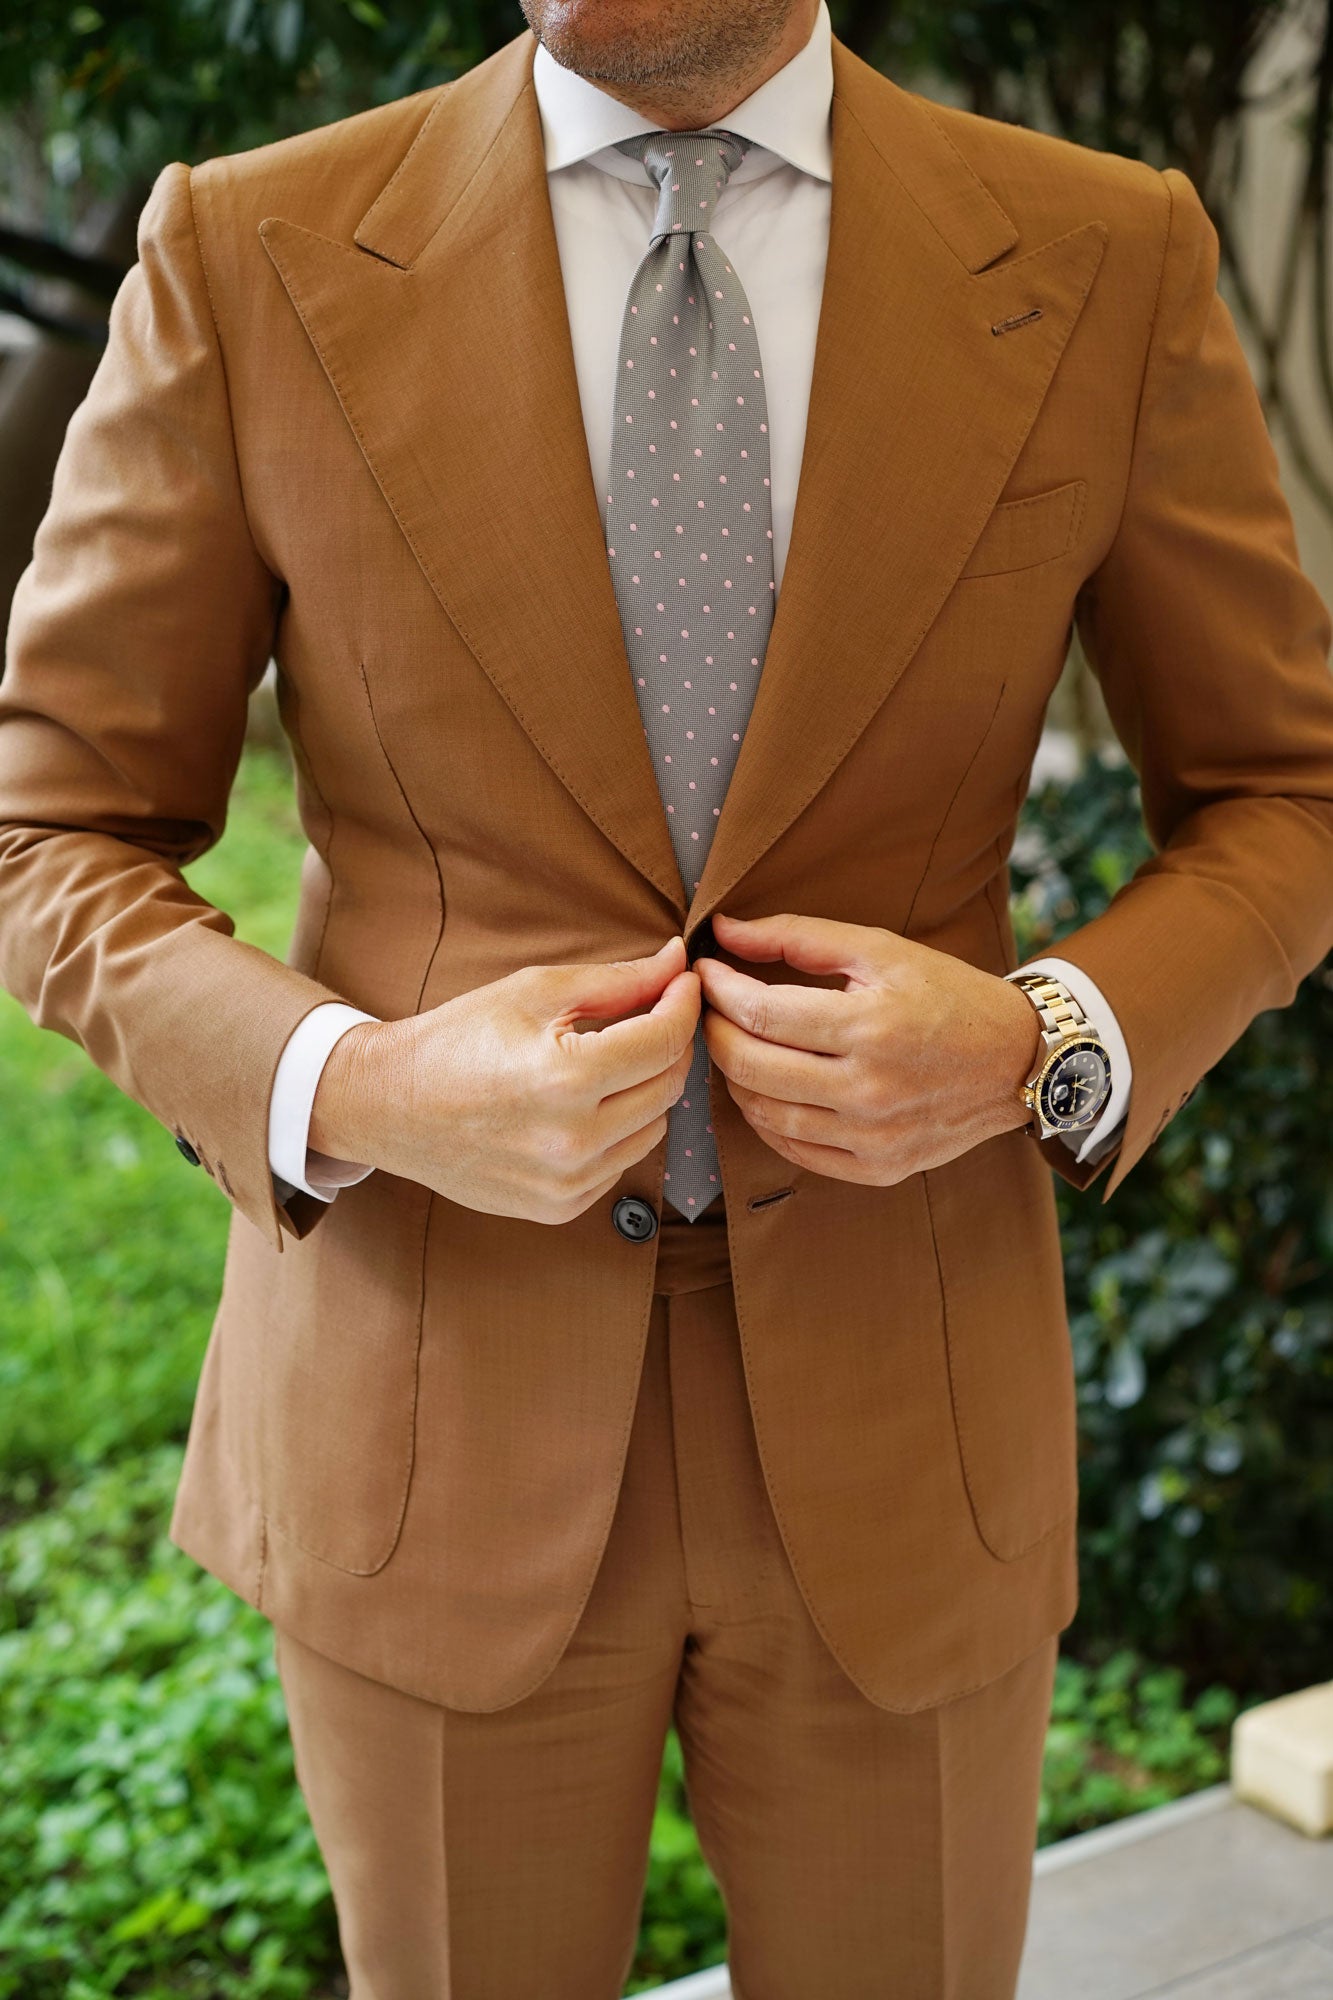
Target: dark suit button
pixel 634 1218
pixel 702 942
pixel 186 1150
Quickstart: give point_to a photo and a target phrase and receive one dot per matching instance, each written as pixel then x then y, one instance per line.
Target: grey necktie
pixel 690 537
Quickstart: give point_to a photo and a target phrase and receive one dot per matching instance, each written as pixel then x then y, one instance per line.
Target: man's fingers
pixel 604 992
pixel 834 1162
pixel 802 1017
pixel 628 1051
pixel 815 944
pixel 625 1112
pixel 798 1076
pixel 808 1124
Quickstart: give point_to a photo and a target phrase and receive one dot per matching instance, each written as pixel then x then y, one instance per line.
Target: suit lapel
pixel 917 414
pixel 445 336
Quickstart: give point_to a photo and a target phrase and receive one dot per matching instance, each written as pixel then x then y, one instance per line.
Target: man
pixel 460 409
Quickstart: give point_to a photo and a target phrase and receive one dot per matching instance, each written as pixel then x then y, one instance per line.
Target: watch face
pixel 1076 1086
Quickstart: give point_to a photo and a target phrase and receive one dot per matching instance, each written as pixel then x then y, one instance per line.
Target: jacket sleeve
pixel 1211 647
pixel 141 625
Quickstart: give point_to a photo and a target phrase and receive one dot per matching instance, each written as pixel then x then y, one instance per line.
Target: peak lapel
pixel 917 414
pixel 445 335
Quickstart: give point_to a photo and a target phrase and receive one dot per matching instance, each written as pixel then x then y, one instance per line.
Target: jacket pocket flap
pixel 1021 533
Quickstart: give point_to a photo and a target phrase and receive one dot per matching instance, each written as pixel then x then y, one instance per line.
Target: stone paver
pixel 1216 1903
pixel 1207 1899
pixel 1286 1972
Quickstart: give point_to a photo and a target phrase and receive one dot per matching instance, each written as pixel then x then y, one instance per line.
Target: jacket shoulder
pixel 1049 184
pixel 324 179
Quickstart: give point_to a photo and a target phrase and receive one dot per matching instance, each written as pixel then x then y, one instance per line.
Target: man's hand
pixel 917 1058
pixel 498 1099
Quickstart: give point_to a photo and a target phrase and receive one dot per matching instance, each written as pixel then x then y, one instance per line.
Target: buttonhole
pixel 768 1200
pixel 1019 319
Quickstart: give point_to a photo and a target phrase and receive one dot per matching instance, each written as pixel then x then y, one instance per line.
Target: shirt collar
pixel 786 119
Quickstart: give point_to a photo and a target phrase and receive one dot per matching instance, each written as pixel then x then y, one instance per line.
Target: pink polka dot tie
pixel 690 537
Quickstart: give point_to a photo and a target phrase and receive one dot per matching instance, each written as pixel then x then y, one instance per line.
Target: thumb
pixel 604 992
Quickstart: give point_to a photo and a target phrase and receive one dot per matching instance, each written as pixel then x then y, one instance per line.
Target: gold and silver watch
pixel 1071 1081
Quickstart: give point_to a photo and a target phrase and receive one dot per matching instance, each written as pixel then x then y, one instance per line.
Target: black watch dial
pixel 1076 1086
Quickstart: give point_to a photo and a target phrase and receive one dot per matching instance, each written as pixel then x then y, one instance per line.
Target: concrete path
pixel 1206 1899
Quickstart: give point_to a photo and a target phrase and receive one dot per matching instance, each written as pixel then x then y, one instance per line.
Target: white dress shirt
pixel 772 217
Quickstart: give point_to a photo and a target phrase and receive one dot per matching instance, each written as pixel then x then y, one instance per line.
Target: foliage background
pixel 1201 1309
pixel 152 1839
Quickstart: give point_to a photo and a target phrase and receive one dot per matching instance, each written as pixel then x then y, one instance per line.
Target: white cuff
pixel 295 1082
pixel 1105 1133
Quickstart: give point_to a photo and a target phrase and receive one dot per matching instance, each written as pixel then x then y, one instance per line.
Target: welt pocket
pixel 1022 533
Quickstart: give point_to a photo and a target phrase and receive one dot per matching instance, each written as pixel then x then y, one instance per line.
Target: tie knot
pixel 691 169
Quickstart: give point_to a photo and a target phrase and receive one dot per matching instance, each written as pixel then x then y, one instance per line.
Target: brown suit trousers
pixel 501 1855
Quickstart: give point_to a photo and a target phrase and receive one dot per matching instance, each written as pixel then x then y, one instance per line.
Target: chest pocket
pixel 1023 533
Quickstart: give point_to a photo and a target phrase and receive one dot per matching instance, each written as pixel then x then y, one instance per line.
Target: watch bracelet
pixel 1059 1011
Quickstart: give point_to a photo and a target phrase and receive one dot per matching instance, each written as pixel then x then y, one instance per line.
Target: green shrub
pixel 152 1836
pixel 683 1926
pixel 1201 1309
pixel 1124 1736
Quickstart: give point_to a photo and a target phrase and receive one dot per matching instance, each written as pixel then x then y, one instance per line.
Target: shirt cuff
pixel 295 1082
pixel 1105 1134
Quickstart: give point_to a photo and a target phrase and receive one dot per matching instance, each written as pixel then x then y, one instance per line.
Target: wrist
pixel 346 1103
pixel 1018 1045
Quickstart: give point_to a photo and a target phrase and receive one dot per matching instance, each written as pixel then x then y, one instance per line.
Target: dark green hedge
pixel 1201 1308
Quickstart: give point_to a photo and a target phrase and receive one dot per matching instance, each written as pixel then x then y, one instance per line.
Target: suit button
pixel 634 1218
pixel 702 942
pixel 186 1150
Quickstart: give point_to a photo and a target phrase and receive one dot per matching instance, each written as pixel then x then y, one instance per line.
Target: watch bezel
pixel 1066 1046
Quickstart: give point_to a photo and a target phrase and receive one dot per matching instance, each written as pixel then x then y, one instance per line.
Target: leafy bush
pixel 150 1823
pixel 1201 1309
pixel 683 1927
pixel 1124 1736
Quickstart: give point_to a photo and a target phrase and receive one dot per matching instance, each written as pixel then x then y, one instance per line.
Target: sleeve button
pixel 186 1150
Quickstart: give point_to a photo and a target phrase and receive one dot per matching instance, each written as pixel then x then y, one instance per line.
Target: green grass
pixel 150 1824
pixel 153 1841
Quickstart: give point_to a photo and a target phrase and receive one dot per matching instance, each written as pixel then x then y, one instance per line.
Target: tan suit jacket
pixel 338 421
